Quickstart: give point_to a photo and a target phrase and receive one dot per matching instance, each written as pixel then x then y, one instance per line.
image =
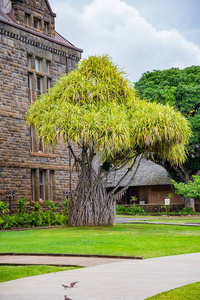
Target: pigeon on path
pixel 72 284
pixel 66 298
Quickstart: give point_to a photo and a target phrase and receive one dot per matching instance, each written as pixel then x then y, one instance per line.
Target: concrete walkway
pixel 122 280
pixel 145 221
pixel 56 260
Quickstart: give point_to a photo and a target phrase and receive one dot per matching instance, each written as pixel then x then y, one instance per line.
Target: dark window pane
pixel 38 87
pixel 40 177
pixel 41 192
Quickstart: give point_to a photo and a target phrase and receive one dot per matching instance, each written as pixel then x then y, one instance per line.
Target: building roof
pixel 148 174
pixel 6 17
pixel 49 7
pixel 59 39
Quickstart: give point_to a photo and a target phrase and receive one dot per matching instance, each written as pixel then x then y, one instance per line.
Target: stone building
pixel 32 57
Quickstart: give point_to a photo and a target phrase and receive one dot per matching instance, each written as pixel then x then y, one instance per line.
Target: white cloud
pixel 116 28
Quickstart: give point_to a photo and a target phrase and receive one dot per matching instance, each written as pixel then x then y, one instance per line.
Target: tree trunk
pixel 186 176
pixel 90 204
pixel 189 203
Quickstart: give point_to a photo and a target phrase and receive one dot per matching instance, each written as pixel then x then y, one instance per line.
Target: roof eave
pixel 40 35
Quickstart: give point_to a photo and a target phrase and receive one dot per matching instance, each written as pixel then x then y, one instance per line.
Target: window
pixel 46 27
pixel 29 61
pixel 27 19
pixel 33 139
pixel 48 83
pixel 39 81
pixel 42 184
pixel 36 145
pixel 38 85
pixel 48 67
pixel 51 185
pixel 30 87
pixel 41 147
pixel 38 65
pixel 72 63
pixel 33 184
pixel 36 23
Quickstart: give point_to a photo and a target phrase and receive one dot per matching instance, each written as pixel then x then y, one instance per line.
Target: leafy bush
pixel 21 205
pixel 131 210
pixel 187 211
pixel 137 210
pixel 66 206
pixel 38 217
pixel 50 205
pixel 3 208
pixel 36 207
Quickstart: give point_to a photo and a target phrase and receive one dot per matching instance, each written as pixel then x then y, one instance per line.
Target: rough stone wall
pixel 16 161
pixel 36 9
pixel 159 208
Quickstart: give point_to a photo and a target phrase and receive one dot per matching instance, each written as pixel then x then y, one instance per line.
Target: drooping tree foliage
pixel 95 111
pixel 180 89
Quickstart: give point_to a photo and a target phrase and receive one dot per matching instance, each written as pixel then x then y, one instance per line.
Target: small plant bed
pixel 187 292
pixel 16 272
pixel 143 240
pixel 37 218
pixel 130 210
pixel 137 210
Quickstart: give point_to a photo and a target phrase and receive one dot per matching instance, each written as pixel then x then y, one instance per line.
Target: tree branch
pixel 129 169
pixel 77 160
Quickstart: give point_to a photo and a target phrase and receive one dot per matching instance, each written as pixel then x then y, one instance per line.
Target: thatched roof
pixel 148 173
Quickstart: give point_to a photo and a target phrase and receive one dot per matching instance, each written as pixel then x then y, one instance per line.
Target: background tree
pixel 95 111
pixel 180 89
pixel 189 190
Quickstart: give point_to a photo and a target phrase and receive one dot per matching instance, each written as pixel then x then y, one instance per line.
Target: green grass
pixel 122 239
pixel 16 272
pixel 187 292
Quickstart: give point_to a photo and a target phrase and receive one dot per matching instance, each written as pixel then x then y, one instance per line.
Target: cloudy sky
pixel 139 35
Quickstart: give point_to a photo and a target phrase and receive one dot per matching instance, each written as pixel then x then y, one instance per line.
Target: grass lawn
pixel 15 272
pixel 122 239
pixel 187 292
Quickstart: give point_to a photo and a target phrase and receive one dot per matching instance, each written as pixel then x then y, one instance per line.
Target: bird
pixel 72 284
pixel 66 298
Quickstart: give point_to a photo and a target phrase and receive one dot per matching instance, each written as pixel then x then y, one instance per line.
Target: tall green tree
pixel 95 111
pixel 180 89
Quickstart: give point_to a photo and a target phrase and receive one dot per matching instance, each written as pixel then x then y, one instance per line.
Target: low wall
pixel 156 208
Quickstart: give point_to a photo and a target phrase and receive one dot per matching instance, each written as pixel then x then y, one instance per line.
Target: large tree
pixel 95 111
pixel 180 89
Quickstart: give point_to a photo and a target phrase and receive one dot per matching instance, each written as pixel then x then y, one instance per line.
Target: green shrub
pixel 131 210
pixel 50 205
pixel 21 205
pixel 37 218
pixel 66 206
pixel 3 208
pixel 137 210
pixel 36 207
pixel 187 211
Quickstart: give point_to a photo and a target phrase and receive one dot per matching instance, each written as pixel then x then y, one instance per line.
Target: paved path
pixel 145 221
pixel 55 260
pixel 123 280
